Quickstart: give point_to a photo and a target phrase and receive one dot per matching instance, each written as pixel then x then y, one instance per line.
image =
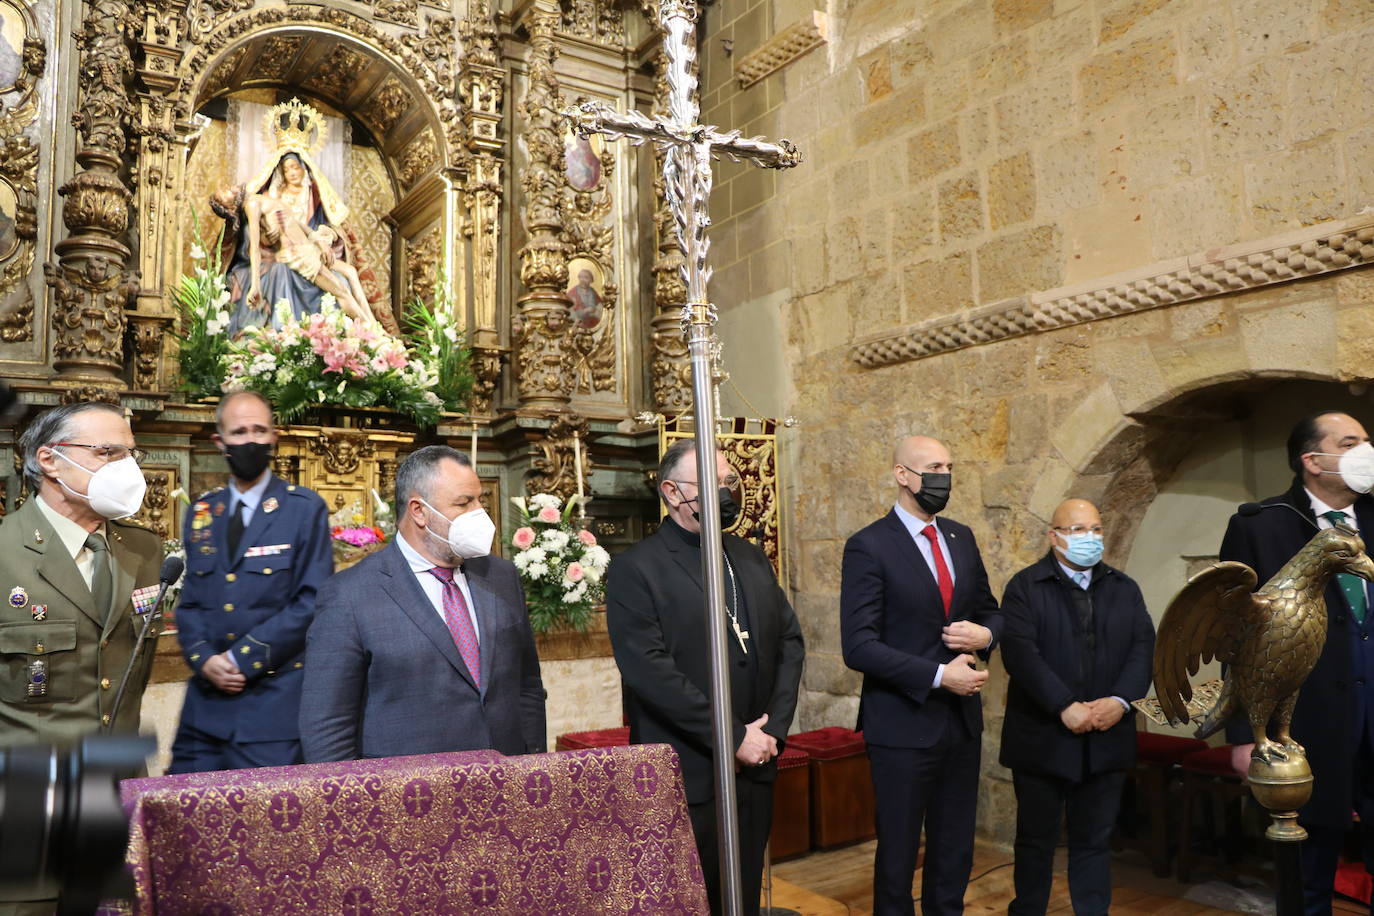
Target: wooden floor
pixel 840 883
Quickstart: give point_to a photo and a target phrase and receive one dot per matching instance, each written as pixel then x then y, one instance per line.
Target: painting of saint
pixel 11 47
pixel 9 204
pixel 584 295
pixel 581 162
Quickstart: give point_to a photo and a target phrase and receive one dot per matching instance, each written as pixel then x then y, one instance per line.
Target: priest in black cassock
pixel 656 613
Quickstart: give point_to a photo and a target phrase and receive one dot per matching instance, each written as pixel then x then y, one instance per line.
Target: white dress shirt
pixel 1320 508
pixel 250 497
pixel 73 538
pixel 1073 574
pixel 433 588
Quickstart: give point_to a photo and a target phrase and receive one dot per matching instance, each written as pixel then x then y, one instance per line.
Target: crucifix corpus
pixel 689 147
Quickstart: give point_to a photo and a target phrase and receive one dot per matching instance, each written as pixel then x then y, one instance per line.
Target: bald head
pixel 913 457
pixel 1076 512
pixel 917 452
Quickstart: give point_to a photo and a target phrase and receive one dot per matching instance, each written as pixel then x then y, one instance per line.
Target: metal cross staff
pixel 689 148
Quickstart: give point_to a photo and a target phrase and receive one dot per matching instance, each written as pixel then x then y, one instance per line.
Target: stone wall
pixel 963 153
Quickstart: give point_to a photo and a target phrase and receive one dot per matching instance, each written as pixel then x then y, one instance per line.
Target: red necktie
pixel 459 623
pixel 941 568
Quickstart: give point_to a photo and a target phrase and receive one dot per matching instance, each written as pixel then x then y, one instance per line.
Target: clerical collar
pixel 692 538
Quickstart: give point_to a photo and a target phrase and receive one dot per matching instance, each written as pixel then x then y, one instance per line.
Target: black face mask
pixel 934 493
pixel 247 460
pixel 729 509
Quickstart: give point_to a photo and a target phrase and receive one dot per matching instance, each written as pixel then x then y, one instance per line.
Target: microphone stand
pixel 165 584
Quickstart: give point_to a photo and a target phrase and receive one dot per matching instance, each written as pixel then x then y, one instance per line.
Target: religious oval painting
pixel 581 161
pixel 9 206
pixel 585 292
pixel 12 31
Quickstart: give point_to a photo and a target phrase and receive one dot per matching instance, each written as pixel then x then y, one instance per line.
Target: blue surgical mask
pixel 1082 549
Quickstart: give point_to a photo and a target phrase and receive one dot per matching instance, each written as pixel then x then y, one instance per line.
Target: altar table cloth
pixel 590 831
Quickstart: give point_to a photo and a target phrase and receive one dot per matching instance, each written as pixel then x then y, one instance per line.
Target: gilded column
pixel 543 354
pixel 482 87
pixel 91 281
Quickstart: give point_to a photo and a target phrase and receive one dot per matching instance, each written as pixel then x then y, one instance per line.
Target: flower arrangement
pixel 561 567
pixel 352 539
pixel 325 358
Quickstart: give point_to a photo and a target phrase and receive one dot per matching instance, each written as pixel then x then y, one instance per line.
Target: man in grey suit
pixel 425 646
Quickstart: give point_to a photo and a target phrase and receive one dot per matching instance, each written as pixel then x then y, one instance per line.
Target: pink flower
pixel 522 538
pixel 574 572
pixel 587 538
pixel 548 514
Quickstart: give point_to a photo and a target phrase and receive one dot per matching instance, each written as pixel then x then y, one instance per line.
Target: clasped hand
pixel 758 747
pixel 223 674
pixel 1098 715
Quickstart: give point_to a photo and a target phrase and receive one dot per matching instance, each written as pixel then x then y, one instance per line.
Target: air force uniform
pixel 255 602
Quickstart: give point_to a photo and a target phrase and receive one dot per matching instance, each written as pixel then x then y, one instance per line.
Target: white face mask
pixel 469 535
pixel 1355 466
pixel 115 490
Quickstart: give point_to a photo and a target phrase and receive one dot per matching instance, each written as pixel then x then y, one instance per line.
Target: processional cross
pixel 689 147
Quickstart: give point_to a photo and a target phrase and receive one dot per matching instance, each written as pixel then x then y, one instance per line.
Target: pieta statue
pixel 285 238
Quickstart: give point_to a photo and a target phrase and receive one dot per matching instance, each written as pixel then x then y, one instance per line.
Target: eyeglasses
pixel 1079 529
pixel 730 483
pixel 949 469
pixel 107 453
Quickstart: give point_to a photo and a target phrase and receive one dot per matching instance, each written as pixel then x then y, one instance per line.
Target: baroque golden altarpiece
pixel 554 250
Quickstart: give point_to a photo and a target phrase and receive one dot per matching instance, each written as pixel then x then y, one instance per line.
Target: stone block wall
pixel 959 154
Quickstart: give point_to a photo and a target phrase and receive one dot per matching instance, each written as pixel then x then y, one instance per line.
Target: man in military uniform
pixel 256 552
pixel 76 577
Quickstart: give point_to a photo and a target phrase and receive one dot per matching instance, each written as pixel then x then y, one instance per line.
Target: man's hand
pixel 1106 712
pixel 1078 717
pixel 223 674
pixel 961 678
pixel 966 636
pixel 758 747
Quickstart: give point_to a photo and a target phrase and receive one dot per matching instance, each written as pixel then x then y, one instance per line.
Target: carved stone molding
pixel 1280 259
pixel 343 452
pixel 553 470
pixel 777 52
pixel 148 335
pixel 19 159
pixel 542 352
pixel 89 394
pixel 595 20
pixel 154 515
pixel 486 369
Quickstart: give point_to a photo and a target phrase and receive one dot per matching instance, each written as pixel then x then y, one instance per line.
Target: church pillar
pixel 91 281
pixel 543 358
pixel 670 370
pixel 482 86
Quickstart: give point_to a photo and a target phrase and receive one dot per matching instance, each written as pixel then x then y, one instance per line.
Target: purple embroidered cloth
pixel 590 831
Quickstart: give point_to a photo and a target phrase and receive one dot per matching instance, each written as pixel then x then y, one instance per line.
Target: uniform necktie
pixel 236 527
pixel 102 587
pixel 942 576
pixel 459 623
pixel 1352 586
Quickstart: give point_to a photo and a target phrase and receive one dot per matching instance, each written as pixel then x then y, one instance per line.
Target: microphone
pixel 1250 510
pixel 172 568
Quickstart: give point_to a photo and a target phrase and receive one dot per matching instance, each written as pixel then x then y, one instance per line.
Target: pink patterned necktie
pixel 460 623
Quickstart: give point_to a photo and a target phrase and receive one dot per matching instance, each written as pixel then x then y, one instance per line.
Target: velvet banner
pixel 590 831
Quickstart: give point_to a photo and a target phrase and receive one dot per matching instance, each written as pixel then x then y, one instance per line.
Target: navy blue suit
pixel 924 743
pixel 1334 716
pixel 256 603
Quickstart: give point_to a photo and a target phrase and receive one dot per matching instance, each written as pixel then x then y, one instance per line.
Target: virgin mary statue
pixel 286 231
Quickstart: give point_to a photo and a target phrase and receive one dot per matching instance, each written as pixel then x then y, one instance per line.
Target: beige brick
pixel 1105 239
pixel 1021 262
pixel 1015 15
pixel 1129 367
pixel 911 58
pixel 1339 15
pixel 849 185
pixel 1354 328
pixel 938 287
pixel 1164 143
pixel 962 32
pixel 1297 187
pixel 876 68
pixel 875 302
pixel 996 69
pixel 913 223
pixel 1081 434
pixel 1194 214
pixel 933 151
pixel 1044 108
pixel 1319 99
pixel 1359 148
pixel 1265 27
pixel 842 248
pixel 1124 16
pixel 960 208
pixel 875 235
pixel 808 263
pixel 1130 74
pixel 1068 173
pixel 1011 191
pixel 975 127
pixel 1238 115
pixel 1299 340
pixel 948 90
pixel 750 28
pixel 821 325
pixel 1064 37
pixel 891 116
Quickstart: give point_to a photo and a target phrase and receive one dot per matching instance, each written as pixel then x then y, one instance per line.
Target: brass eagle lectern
pixel 1269 640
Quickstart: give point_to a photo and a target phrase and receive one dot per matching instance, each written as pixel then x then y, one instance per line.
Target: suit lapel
pixel 264 517
pixel 55 565
pixel 484 606
pixel 400 585
pixel 125 564
pixel 911 555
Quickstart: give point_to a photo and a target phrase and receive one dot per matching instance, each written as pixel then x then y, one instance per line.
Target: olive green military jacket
pixel 47 617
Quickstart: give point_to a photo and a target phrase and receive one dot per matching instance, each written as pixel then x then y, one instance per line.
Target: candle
pixel 577 463
pixel 472 452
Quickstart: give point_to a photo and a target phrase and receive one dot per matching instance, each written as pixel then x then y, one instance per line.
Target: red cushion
pixel 829 743
pixel 1353 881
pixel 1215 761
pixel 1166 750
pixel 602 737
pixel 791 757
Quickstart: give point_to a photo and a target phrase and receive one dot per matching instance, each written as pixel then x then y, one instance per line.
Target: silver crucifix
pixel 689 147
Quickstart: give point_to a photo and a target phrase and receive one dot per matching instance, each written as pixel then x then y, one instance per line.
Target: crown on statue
pixel 294 125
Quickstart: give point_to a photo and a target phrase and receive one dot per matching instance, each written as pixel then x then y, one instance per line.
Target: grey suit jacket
pixel 383 677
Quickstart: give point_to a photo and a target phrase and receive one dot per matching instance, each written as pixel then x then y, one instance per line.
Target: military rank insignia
pixel 18 597
pixel 200 517
pixel 269 504
pixel 144 598
pixel 39 611
pixel 38 678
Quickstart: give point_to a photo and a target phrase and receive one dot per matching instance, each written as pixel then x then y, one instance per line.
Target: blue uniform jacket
pixel 257 604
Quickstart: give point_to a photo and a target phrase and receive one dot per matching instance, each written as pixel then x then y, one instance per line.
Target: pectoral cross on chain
pixel 741 634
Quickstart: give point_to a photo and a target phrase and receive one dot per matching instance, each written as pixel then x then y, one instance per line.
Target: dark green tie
pixel 102 587
pixel 1352 586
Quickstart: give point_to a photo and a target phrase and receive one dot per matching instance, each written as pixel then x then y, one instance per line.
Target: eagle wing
pixel 1206 620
